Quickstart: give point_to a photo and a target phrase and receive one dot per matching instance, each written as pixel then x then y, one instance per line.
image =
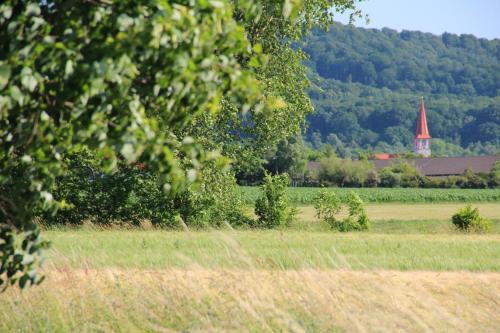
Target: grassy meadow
pixel 411 272
pixel 276 249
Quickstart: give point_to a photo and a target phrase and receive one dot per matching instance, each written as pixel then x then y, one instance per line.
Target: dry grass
pixel 407 212
pixel 168 300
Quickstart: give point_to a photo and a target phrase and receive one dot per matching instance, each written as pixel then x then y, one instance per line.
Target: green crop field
pixel 305 195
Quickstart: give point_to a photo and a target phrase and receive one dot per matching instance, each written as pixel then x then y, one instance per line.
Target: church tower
pixel 422 137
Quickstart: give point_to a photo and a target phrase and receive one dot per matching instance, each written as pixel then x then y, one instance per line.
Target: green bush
pixel 400 174
pixel 271 207
pixel 357 213
pixel 129 195
pixel 328 205
pixel 132 194
pixel 214 203
pixel 468 219
pixel 346 172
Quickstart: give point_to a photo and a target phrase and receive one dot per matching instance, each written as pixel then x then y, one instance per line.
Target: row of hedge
pixel 361 173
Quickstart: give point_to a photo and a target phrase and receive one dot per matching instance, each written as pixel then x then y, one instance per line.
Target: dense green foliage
pixel 463 65
pixel 468 219
pixel 122 78
pixel 247 138
pixel 333 171
pixel 271 207
pixel 356 218
pixel 132 195
pixel 161 83
pixel 368 85
pixel 328 206
pixel 90 195
pixel 306 195
pixel 345 173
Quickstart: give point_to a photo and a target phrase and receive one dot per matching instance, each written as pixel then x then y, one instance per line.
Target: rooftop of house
pixel 384 156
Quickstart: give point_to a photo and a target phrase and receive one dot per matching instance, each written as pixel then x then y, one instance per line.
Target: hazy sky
pixel 477 17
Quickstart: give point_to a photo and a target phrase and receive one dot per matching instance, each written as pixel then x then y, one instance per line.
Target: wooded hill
pixel 367 85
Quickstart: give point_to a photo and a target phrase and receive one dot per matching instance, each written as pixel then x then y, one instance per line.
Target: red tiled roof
pixel 384 156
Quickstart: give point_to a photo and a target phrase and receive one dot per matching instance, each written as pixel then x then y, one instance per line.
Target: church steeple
pixel 422 137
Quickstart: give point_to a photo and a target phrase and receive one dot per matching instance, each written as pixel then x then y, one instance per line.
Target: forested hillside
pixel 367 85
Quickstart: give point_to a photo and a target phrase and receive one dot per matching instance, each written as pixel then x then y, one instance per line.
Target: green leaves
pixel 4 74
pixel 28 80
pixel 468 219
pixel 291 8
pixel 271 206
pixel 126 79
pixel 328 206
pixel 17 95
pixel 16 262
pixel 123 79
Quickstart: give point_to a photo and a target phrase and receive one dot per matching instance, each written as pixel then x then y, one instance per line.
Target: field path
pixel 425 211
pixel 258 300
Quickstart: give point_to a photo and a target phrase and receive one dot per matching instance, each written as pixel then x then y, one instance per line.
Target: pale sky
pixel 478 17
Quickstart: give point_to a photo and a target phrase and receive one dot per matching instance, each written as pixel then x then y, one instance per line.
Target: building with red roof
pixel 384 156
pixel 422 137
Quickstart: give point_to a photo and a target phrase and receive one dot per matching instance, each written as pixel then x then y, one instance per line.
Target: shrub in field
pixel 328 205
pixel 214 202
pixel 357 212
pixel 271 207
pixel 468 219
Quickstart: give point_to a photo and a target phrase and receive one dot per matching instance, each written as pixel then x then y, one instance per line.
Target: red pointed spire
pixel 422 131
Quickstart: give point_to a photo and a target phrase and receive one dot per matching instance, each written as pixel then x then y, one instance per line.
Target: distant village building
pixel 430 166
pixel 435 166
pixel 422 138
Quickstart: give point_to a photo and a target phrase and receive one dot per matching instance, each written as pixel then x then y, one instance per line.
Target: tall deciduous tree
pixel 120 77
pixel 126 79
pixel 246 138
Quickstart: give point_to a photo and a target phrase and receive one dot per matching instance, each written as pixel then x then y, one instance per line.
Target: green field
pixel 417 275
pixel 275 250
pixel 305 195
